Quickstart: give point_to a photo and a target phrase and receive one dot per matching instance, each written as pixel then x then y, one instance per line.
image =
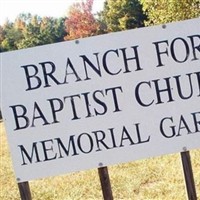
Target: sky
pixel 10 9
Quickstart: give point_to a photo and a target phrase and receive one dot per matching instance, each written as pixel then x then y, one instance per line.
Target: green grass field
pixel 159 178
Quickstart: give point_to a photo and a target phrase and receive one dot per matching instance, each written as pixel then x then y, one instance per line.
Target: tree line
pixel 32 30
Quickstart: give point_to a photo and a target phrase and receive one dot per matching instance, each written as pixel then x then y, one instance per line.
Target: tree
pixel 40 31
pixel 2 37
pixel 80 21
pixel 10 35
pixel 164 11
pixel 52 30
pixel 122 15
pixel 31 30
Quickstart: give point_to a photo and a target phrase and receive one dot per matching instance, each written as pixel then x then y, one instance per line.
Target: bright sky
pixel 9 9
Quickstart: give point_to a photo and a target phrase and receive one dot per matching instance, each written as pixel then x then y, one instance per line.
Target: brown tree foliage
pixel 81 22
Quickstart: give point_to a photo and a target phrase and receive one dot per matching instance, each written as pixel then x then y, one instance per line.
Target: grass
pixel 159 178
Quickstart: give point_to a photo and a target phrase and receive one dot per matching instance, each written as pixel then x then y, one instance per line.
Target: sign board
pixel 102 100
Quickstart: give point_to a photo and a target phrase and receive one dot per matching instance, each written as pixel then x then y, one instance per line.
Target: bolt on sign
pixel 75 105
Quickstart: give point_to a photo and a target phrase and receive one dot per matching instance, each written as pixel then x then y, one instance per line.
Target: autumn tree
pixel 81 22
pixel 164 11
pixel 122 15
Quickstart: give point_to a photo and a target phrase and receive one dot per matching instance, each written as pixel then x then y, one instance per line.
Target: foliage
pixel 122 14
pixel 165 11
pixel 40 31
pixel 9 36
pixel 29 31
pixel 81 22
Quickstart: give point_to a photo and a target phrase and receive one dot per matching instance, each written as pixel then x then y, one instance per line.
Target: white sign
pixel 102 100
